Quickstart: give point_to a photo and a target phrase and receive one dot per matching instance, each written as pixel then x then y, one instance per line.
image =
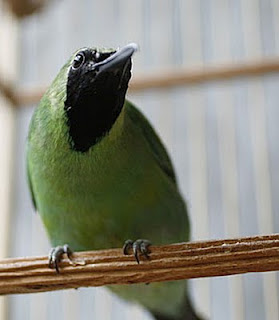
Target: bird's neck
pixel 91 119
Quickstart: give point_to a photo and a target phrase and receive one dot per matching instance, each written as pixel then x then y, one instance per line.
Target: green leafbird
pixel 99 174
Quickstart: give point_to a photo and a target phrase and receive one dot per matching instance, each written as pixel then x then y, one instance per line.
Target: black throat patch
pixel 90 119
pixel 93 105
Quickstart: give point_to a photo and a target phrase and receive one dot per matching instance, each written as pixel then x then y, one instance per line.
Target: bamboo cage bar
pixel 163 79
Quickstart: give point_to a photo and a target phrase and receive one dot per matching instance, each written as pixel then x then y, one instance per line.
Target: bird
pixel 100 176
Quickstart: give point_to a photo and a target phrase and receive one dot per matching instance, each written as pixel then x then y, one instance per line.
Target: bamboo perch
pixel 167 79
pixel 170 262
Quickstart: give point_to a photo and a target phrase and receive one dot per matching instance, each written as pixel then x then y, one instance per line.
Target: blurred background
pixel 214 104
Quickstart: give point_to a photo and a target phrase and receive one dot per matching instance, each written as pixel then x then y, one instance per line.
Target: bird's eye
pixel 78 61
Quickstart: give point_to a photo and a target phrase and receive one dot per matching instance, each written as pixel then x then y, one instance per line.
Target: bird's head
pixel 97 82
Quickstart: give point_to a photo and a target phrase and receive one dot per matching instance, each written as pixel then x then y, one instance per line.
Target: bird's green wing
pixel 153 140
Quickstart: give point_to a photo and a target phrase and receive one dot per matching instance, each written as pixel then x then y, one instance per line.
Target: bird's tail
pixel 187 313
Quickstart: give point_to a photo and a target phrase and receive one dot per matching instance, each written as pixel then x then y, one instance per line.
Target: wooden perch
pixel 170 262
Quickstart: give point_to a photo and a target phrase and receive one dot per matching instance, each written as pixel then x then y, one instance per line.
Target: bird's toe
pixel 139 247
pixel 56 254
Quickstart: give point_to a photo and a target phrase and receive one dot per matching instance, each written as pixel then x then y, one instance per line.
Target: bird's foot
pixel 139 247
pixel 56 254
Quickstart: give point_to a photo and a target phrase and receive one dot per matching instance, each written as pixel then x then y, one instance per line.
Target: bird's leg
pixel 140 246
pixel 56 254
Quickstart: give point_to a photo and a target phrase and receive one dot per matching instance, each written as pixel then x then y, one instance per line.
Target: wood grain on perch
pixel 170 262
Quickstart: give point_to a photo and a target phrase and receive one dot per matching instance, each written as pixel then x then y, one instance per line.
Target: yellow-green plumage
pixel 122 188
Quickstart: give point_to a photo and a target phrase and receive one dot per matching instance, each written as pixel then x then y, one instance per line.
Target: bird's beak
pixel 117 60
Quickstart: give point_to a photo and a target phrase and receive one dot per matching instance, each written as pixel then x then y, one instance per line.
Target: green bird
pixel 99 175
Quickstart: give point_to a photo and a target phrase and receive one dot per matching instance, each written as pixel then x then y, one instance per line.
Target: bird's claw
pixel 140 246
pixel 56 254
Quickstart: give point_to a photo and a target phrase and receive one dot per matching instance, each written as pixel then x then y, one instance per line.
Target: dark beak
pixel 117 60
